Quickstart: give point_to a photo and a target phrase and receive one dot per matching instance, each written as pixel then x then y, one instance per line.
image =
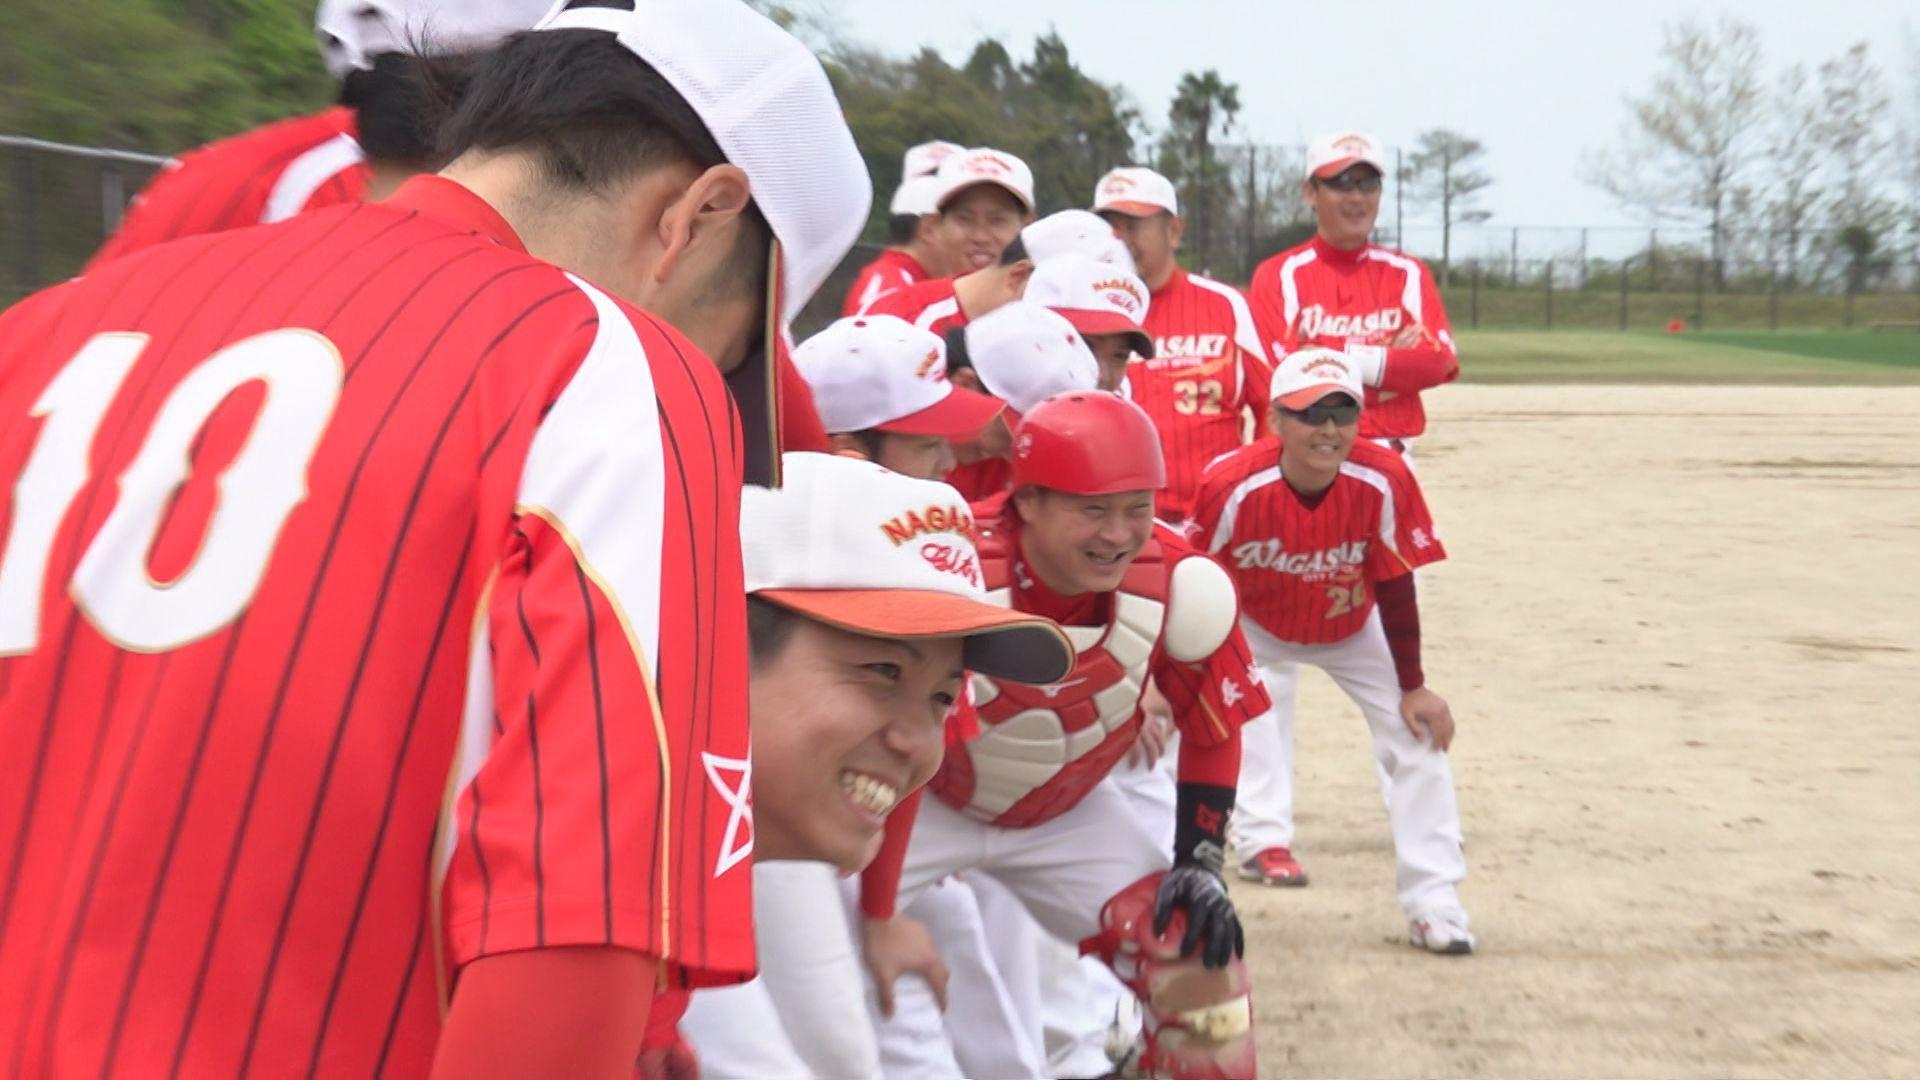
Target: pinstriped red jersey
pixel 337 649
pixel 1317 294
pixel 1304 566
pixel 1208 369
pixel 891 271
pixel 256 177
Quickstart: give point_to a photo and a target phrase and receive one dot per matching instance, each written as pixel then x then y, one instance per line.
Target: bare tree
pixel 1693 136
pixel 1794 158
pixel 1442 173
pixel 1199 118
pixel 1853 135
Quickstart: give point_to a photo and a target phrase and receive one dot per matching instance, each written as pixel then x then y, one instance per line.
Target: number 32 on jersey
pixel 268 477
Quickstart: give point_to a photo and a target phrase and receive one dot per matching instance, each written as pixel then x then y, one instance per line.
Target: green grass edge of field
pixel 1854 358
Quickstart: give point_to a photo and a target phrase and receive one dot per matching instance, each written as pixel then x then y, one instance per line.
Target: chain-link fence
pixel 57 203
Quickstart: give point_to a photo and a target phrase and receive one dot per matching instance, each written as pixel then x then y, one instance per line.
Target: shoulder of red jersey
pixel 913 299
pixel 1374 456
pixel 1235 465
pixel 1270 266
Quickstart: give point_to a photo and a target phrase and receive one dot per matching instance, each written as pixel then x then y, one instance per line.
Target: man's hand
pixel 1409 336
pixel 1426 715
pixel 1156 728
pixel 1211 919
pixel 901 946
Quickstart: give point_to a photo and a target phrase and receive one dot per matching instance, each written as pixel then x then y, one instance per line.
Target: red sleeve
pixel 556 1012
pixel 1434 361
pixel 1218 764
pixel 1211 698
pixel 1406 540
pixel 604 762
pixel 1400 618
pixel 880 881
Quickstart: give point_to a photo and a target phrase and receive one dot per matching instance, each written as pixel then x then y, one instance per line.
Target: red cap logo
pixel 1117 184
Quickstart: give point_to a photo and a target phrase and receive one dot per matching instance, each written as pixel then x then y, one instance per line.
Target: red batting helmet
pixel 1088 442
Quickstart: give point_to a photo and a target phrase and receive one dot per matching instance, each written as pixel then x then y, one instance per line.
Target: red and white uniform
pixel 930 305
pixel 1308 569
pixel 892 271
pixel 1208 369
pixel 1318 294
pixel 258 177
pixel 407 696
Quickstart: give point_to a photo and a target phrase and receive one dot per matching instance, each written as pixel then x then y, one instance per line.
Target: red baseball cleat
pixel 1274 866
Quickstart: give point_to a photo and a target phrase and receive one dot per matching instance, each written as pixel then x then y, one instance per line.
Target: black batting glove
pixel 1211 920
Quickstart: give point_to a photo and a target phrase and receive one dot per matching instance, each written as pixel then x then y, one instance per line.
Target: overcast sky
pixel 1538 81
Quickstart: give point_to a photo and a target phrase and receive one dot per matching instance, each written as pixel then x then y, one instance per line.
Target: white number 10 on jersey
pixel 266 480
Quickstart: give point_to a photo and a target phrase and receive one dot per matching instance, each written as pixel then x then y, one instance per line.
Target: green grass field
pixel 1858 358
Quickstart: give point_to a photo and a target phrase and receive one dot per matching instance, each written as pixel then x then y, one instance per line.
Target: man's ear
pixel 846 445
pixel 1176 231
pixel 924 231
pixel 712 202
pixel 1306 192
pixel 1016 281
pixel 1026 501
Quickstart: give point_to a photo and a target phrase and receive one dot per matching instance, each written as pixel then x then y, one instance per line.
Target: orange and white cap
pixel 1076 232
pixel 1310 374
pixel 766 101
pixel 1335 153
pixel 1096 297
pixel 878 371
pixel 868 550
pixel 353 32
pixel 1135 191
pixel 985 165
pixel 925 159
pixel 1025 353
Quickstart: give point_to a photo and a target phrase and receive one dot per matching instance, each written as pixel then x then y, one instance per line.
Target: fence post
pixel 1513 257
pixel 1474 307
pixel 26 249
pixel 1583 257
pixel 1653 259
pixel 1549 294
pixel 1773 298
pixel 1699 294
pixel 1849 298
pixel 1626 273
pixel 113 199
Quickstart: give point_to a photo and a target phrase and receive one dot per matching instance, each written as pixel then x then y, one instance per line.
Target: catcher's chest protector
pixel 1041 748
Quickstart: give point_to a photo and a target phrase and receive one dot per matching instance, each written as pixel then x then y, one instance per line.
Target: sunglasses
pixel 1366 185
pixel 1321 411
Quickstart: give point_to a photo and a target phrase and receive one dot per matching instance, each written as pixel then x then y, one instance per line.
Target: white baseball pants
pixel 1418 782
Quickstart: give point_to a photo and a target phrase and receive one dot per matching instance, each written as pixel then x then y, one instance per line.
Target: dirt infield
pixel 1681 631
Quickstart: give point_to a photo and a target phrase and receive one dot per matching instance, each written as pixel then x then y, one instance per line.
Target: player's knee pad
pixel 1198 1021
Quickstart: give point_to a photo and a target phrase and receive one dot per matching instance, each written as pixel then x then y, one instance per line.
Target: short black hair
pixel 902 228
pixel 869 440
pixel 591 114
pixel 957 357
pixel 769 626
pixel 397 108
pixel 1014 252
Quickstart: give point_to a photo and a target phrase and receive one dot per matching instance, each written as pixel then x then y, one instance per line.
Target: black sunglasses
pixel 1366 185
pixel 1322 411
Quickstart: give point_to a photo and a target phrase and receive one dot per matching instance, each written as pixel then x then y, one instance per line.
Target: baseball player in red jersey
pixel 913 252
pixel 983 198
pixel 372 607
pixel 1322 534
pixel 1023 802
pixel 1205 383
pixel 1105 303
pixel 363 147
pixel 1341 291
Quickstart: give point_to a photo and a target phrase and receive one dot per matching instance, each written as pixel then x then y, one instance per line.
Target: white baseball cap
pixel 1079 232
pixel 1135 191
pixel 865 549
pixel 878 371
pixel 1310 374
pixel 1025 354
pixel 1096 297
pixel 767 103
pixel 925 159
pixel 985 165
pixel 353 32
pixel 1335 153
pixel 916 195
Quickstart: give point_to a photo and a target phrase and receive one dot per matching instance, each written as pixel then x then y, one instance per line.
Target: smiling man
pixel 866 603
pixel 1344 292
pixel 1024 804
pixel 1322 532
